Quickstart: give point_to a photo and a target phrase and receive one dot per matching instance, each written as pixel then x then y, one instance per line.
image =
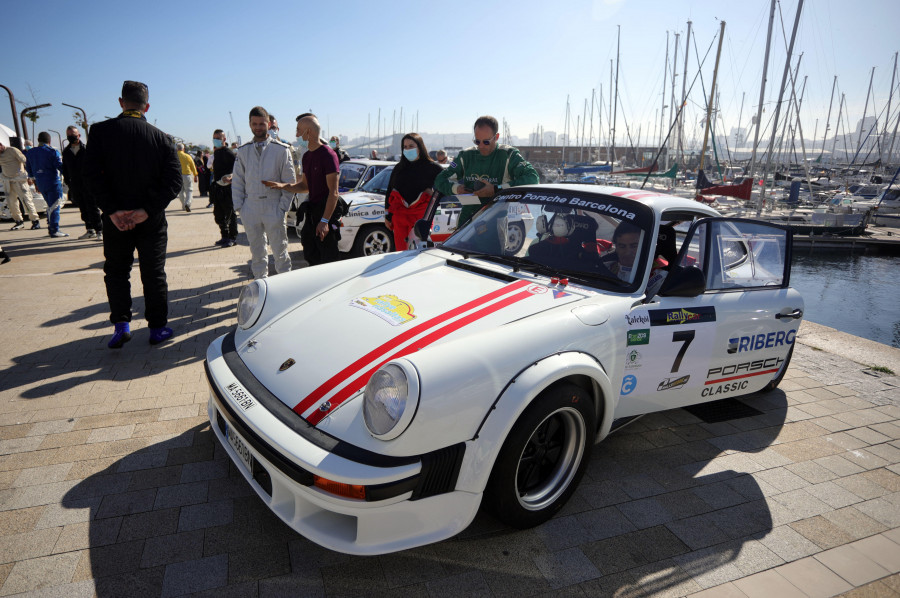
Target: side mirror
pixel 684 282
pixel 419 236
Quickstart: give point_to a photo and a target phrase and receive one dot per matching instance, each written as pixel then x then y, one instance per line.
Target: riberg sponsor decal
pixel 389 308
pixel 740 344
pixel 670 383
pixel 673 317
pixel 746 369
pixel 638 337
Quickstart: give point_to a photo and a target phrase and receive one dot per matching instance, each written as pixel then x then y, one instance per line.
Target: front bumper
pixel 409 501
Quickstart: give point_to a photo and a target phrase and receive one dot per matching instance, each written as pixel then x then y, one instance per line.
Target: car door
pixel 729 340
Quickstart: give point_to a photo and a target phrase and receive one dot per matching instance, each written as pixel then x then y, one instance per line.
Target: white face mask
pixel 560 227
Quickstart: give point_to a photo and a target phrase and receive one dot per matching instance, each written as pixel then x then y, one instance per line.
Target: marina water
pixel 856 294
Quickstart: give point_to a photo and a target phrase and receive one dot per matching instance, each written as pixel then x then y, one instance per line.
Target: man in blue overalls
pixel 44 164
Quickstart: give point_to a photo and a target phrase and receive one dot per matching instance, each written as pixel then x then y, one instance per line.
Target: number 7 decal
pixel 682 336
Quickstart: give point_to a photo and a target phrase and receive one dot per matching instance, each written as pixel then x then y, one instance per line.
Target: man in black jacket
pixel 133 172
pixel 73 158
pixel 220 190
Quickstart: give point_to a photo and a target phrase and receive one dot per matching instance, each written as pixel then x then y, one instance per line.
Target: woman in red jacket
pixel 410 188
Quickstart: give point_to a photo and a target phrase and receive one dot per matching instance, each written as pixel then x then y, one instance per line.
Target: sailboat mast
pixel 762 91
pixel 566 139
pixel 887 114
pixel 662 112
pixel 591 131
pixel 738 130
pixel 828 119
pixel 672 99
pixel 862 123
pixel 687 54
pixel 787 69
pixel 712 91
pixel 616 102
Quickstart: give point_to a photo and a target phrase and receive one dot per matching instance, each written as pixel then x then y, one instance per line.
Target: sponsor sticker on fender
pixel 389 308
pixel 746 369
pixel 633 360
pixel 670 383
pixel 638 337
pixel 638 318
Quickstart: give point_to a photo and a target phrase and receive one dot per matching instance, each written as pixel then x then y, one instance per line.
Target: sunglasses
pixel 484 141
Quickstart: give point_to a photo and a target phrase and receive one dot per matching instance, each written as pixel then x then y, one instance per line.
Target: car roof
pixel 369 162
pixel 658 202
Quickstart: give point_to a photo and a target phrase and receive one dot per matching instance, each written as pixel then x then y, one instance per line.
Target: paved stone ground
pixel 111 483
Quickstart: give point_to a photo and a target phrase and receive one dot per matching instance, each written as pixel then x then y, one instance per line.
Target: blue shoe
pixel 158 335
pixel 120 337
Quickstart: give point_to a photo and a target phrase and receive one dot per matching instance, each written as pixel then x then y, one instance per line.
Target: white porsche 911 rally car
pixel 376 404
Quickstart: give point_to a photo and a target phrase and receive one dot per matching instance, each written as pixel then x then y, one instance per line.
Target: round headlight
pixel 250 303
pixel 385 402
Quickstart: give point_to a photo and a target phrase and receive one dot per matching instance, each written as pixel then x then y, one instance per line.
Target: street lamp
pixel 58 137
pixel 83 113
pixel 29 109
pixel 12 105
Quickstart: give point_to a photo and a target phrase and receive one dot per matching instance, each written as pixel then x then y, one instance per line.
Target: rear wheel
pixel 373 239
pixel 543 458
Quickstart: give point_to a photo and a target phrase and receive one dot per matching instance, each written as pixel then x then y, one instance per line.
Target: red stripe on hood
pixel 330 384
pixel 360 381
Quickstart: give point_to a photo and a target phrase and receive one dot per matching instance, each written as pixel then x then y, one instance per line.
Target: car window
pixel 738 254
pixel 597 239
pixel 379 183
pixel 351 173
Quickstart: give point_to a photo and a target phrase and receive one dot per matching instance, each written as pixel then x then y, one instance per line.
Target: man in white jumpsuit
pixel 262 210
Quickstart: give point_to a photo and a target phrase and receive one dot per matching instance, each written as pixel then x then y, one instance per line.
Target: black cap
pixel 136 92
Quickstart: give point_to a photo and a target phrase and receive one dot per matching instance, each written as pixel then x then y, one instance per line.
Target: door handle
pixel 794 315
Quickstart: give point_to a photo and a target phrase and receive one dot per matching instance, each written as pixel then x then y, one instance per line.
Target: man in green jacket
pixel 485 169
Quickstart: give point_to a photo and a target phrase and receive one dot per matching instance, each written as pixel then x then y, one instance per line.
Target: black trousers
pixel 90 213
pixel 317 251
pixel 149 238
pixel 203 182
pixel 223 210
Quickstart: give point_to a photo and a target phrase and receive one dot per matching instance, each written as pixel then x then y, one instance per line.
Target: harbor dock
pixel 112 483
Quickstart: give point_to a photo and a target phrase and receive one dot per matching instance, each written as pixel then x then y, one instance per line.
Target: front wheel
pixel 543 458
pixel 372 240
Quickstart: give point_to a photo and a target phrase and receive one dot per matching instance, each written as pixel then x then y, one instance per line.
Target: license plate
pixel 240 447
pixel 240 396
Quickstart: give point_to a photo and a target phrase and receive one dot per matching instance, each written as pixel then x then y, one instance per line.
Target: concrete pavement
pixel 111 483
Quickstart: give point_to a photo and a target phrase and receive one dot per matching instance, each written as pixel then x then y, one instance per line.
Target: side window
pixel 746 255
pixel 737 254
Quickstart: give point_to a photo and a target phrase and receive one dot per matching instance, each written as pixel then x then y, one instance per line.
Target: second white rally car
pixel 376 404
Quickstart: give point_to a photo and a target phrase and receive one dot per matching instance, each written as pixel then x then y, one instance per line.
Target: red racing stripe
pixel 741 376
pixel 330 384
pixel 353 387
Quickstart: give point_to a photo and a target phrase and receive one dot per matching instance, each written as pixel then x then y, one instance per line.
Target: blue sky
pixel 448 61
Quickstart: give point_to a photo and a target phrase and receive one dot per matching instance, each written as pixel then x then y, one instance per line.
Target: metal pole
pixel 616 102
pixel 83 113
pixel 887 116
pixel 712 90
pixel 29 109
pixel 862 123
pixel 12 105
pixel 787 70
pixel 828 119
pixel 687 53
pixel 762 92
pixel 58 136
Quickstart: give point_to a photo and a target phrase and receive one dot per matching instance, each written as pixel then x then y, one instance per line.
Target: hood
pixel 340 337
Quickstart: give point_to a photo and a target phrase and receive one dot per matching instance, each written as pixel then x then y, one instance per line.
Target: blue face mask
pixel 217 143
pixel 411 154
pixel 303 143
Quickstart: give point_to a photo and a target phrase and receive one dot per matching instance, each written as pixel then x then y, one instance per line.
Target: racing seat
pixel 666 245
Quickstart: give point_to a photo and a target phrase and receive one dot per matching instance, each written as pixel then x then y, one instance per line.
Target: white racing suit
pixel 262 209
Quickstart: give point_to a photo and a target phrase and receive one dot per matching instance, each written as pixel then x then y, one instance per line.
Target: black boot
pixel 4 257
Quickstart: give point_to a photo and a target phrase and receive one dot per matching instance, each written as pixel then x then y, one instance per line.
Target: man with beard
pixel 262 209
pixel 73 158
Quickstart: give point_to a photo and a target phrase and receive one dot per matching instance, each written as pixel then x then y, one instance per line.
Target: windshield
pixel 379 184
pixel 591 238
pixel 351 172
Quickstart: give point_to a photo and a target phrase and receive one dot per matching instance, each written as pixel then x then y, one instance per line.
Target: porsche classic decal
pixel 409 334
pixel 389 308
